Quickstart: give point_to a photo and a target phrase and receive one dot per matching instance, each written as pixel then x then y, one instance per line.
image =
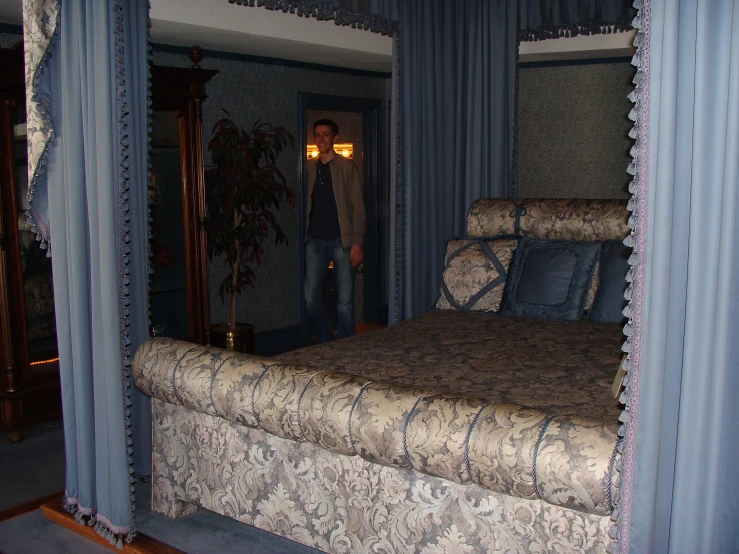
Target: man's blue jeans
pixel 318 254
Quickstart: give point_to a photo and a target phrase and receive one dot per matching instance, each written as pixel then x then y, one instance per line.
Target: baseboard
pixel 142 544
pixel 272 342
pixel 21 509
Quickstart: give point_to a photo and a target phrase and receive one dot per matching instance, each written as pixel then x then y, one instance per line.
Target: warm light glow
pixel 42 362
pixel 346 150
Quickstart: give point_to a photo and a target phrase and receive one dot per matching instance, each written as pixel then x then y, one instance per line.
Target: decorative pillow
pixel 549 279
pixel 590 298
pixel 614 265
pixel 475 274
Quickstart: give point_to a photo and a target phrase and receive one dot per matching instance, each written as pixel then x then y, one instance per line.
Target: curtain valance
pixel 544 19
pixel 378 16
pixel 538 19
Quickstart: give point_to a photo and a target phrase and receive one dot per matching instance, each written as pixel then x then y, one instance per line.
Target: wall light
pixel 345 149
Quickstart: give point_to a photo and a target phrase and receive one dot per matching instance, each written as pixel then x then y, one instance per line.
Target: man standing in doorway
pixel 335 231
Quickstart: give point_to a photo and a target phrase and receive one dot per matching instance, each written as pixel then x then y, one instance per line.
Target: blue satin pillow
pixel 549 279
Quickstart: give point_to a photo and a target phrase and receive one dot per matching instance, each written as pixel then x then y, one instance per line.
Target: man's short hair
pixel 328 123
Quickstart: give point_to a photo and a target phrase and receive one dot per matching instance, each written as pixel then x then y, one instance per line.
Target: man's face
pixel 325 138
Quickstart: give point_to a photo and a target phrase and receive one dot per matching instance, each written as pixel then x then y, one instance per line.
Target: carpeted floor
pixel 32 468
pixel 35 468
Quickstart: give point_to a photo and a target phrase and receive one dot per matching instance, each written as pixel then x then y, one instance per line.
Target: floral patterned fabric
pixel 452 432
pixel 346 504
pixel 594 283
pixel 554 218
pixel 475 274
pixel 549 218
pixel 464 438
pixel 556 367
pixel 40 20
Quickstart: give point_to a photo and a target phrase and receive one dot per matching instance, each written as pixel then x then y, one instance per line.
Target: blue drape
pixel 680 483
pixel 96 177
pixel 542 19
pixel 457 82
pixel 453 120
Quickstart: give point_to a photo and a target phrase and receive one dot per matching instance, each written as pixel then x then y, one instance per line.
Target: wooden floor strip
pixel 16 511
pixel 142 544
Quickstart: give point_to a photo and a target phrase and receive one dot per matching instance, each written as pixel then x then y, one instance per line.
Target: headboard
pixel 549 218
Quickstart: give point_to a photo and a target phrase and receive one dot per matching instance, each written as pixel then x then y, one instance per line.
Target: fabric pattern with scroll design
pixel 491 217
pixel 40 22
pixel 345 504
pixel 594 282
pixel 475 274
pixel 583 220
pixel 555 218
pixel 436 434
pixel 558 367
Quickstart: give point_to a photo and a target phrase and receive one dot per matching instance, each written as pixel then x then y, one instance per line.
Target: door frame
pixel 371 110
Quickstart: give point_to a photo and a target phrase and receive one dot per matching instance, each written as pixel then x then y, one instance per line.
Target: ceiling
pixel 218 25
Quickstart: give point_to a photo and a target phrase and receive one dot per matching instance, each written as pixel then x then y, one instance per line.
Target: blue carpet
pixel 32 533
pixel 199 532
pixel 203 532
pixel 35 468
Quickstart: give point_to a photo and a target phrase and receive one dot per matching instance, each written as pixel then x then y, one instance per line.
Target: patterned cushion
pixel 549 218
pixel 475 274
pixel 549 279
pixel 590 298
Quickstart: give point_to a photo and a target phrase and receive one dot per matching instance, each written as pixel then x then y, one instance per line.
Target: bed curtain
pixel 88 82
pixel 679 477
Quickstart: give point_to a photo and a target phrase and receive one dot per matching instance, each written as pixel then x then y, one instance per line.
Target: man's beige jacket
pixel 349 199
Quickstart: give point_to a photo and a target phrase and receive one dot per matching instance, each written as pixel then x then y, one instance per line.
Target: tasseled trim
pixel 326 12
pixel 115 534
pixel 399 205
pixel 571 31
pixel 622 470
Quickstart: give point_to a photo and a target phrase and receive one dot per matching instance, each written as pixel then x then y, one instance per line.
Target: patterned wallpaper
pixel 573 130
pixel 250 91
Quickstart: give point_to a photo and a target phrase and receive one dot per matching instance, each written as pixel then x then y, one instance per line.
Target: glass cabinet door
pixel 168 286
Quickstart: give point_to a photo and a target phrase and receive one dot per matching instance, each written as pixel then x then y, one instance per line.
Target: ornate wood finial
pixel 196 55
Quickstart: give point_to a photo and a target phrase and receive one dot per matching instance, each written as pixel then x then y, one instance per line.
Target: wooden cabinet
pixel 30 390
pixel 178 95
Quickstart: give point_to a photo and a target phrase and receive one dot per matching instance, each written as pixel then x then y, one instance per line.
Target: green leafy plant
pixel 244 189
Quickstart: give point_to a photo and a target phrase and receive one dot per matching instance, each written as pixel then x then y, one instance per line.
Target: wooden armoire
pixel 30 390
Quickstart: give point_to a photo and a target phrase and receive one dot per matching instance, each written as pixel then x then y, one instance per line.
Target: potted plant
pixel 244 188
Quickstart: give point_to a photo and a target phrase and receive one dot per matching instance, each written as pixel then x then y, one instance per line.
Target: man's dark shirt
pixel 324 214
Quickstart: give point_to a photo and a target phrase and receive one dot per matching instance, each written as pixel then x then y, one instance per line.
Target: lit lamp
pixel 346 150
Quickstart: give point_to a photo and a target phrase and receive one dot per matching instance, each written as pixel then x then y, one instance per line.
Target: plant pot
pixel 240 339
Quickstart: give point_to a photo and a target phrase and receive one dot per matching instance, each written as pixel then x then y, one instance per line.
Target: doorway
pixel 359 121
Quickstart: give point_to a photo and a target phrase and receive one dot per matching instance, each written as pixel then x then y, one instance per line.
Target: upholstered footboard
pixel 343 464
pixel 346 504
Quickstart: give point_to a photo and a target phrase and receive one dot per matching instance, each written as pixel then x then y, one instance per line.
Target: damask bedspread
pixel 451 432
pixel 553 366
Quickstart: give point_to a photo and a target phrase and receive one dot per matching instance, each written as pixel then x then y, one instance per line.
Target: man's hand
pixel 356 256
